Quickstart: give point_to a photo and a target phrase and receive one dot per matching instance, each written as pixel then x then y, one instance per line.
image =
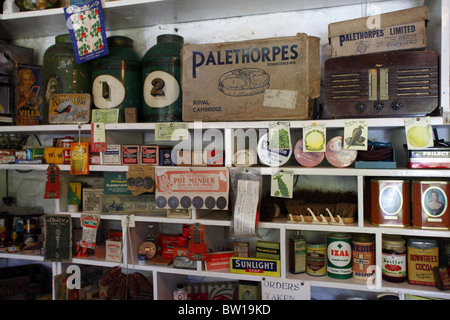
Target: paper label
pixel 355 135
pixel 245 208
pixel 282 184
pixel 419 133
pixel 314 137
pixel 284 99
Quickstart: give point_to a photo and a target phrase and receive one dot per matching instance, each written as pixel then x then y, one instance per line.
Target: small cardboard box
pixel 263 79
pixel 398 30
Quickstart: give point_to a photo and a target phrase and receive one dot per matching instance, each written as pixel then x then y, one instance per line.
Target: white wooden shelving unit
pixel 127 14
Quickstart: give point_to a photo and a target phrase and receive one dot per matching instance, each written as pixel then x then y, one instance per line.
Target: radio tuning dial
pixel 378 105
pixel 360 106
pixel 397 105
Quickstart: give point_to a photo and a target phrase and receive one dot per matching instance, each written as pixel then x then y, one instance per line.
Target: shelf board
pixel 21 256
pixel 126 14
pixel 380 123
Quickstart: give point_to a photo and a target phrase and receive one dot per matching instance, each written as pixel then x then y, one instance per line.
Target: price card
pixel 355 135
pixel 171 131
pixel 105 116
pixel 282 184
pixel 314 137
pixel 419 133
pixel 98 137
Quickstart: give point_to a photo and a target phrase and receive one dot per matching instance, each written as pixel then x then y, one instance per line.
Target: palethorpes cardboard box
pixel 265 79
pixel 397 30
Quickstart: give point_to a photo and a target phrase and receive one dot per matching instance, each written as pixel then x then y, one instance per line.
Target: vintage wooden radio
pixel 386 84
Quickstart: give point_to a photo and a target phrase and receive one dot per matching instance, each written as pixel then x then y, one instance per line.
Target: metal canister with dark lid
pixel 161 80
pixel 61 72
pixel 116 78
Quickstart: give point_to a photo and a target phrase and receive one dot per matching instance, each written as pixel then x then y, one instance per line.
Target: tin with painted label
pixel 339 255
pixel 390 205
pixel 363 256
pixel 161 75
pixel 316 259
pixel 269 157
pixel 430 204
pixel 116 77
pixel 422 257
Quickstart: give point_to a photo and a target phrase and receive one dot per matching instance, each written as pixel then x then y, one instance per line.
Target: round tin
pixel 61 73
pixel 273 158
pixel 316 259
pixel 307 159
pixel 430 204
pixel 116 78
pixel 390 205
pixel 338 156
pixel 161 75
pixel 363 256
pixel 339 255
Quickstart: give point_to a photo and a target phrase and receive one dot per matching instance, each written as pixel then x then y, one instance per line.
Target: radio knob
pixel 360 106
pixel 397 105
pixel 378 105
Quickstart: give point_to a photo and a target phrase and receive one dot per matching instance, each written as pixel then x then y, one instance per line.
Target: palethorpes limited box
pixel 275 78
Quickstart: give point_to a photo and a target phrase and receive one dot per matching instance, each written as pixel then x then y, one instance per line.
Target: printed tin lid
pixel 273 158
pixel 307 159
pixel 338 156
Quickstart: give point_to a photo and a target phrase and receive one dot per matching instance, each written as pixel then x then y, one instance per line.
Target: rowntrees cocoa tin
pixel 390 205
pixel 339 255
pixel 363 256
pixel 430 204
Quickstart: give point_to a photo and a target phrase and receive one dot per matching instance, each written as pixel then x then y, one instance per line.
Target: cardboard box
pixel 263 79
pixel 398 30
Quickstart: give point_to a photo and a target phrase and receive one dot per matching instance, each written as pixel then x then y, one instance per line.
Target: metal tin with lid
pixel 316 259
pixel 430 204
pixel 363 256
pixel 390 205
pixel 269 157
pixel 161 78
pixel 339 255
pixel 61 72
pixel 116 78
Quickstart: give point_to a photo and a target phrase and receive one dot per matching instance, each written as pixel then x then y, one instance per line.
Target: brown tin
pixel 390 204
pixel 430 204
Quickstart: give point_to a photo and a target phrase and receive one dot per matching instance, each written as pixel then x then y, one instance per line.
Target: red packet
pixel 79 158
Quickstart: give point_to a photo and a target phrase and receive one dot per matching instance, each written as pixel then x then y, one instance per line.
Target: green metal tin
pixel 61 72
pixel 116 78
pixel 161 80
pixel 339 256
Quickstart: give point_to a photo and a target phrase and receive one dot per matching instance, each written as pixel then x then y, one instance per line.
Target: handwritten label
pixel 275 289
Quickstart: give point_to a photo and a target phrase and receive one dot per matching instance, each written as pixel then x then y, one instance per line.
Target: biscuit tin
pixel 430 204
pixel 390 205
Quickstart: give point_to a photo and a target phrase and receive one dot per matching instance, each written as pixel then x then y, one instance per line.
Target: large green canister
pixel 116 78
pixel 161 80
pixel 339 256
pixel 61 72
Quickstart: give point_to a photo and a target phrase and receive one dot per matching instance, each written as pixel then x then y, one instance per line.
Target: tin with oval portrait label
pixel 390 203
pixel 430 204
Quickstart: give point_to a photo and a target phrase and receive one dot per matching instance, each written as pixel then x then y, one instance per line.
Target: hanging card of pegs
pixel 52 185
pixel 197 244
